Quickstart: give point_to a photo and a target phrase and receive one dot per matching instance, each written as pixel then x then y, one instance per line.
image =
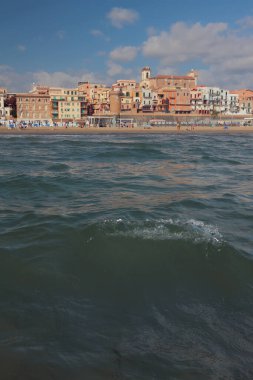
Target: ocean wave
pixel 163 229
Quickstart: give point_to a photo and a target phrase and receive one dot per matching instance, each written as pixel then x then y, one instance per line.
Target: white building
pixel 149 99
pixel 209 100
pixel 233 101
pixel 2 108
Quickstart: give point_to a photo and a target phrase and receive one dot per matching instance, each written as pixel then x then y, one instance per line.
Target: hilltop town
pixel 153 95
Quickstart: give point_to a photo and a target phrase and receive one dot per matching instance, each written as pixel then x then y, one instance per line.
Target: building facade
pixel 34 106
pixel 3 92
pixel 67 104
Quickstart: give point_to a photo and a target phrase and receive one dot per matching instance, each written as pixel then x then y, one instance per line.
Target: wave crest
pixel 163 229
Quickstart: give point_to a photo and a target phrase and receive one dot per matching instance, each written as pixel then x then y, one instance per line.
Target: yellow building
pixel 131 96
pixel 68 104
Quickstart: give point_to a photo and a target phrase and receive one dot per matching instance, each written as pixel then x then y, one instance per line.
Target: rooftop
pixel 173 77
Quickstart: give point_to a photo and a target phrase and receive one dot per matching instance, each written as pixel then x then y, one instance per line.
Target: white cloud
pixel 62 79
pixel 114 70
pixel 119 17
pixel 151 31
pixel 246 22
pixel 225 53
pixel 15 81
pixel 182 42
pixel 18 82
pixel 124 53
pixel 100 34
pixel 165 70
pixel 215 76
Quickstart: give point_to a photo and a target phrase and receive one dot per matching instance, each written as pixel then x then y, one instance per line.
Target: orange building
pixel 159 81
pixel 245 100
pixel 175 100
pixel 130 94
pixel 97 95
pixel 173 91
pixel 34 105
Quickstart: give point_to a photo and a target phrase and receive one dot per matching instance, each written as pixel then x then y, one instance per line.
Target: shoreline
pixel 135 130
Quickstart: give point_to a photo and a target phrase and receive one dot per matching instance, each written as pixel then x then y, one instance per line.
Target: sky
pixel 62 42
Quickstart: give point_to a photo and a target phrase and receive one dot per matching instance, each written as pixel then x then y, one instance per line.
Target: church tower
pixel 194 74
pixel 145 77
pixel 145 73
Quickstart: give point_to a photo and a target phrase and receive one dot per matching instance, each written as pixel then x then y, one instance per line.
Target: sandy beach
pixel 108 130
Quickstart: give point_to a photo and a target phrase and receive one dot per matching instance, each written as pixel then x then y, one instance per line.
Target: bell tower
pixel 145 73
pixel 194 74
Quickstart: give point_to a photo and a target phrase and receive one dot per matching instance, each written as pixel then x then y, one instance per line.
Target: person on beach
pixel 178 126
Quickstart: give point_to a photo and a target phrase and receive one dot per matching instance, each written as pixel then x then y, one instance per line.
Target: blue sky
pixel 62 42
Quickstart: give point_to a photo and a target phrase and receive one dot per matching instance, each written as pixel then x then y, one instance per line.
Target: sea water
pixel 126 257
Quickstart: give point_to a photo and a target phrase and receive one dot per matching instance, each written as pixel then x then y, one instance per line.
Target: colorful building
pixel 212 100
pixel 34 105
pixel 68 104
pixel 245 98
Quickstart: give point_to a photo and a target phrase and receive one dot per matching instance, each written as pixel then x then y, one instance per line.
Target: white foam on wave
pixel 164 229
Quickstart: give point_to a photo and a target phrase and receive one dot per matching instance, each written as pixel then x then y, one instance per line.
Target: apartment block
pixel 34 105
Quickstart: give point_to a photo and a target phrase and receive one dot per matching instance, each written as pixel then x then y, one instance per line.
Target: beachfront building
pixel 245 101
pixel 130 94
pixel 149 100
pixel 100 99
pixel 2 110
pixel 97 95
pixel 3 93
pixel 137 98
pixel 68 104
pixel 173 100
pixel 213 100
pixel 199 102
pixel 34 106
pixel 167 93
pixel 233 101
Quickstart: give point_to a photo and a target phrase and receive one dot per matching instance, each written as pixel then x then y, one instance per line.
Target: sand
pixel 80 131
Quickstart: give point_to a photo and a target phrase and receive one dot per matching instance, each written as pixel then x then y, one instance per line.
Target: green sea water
pixel 126 257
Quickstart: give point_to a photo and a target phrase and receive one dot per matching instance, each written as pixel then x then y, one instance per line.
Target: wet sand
pixel 108 130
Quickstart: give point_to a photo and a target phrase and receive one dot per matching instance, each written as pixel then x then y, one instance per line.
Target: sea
pixel 126 256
